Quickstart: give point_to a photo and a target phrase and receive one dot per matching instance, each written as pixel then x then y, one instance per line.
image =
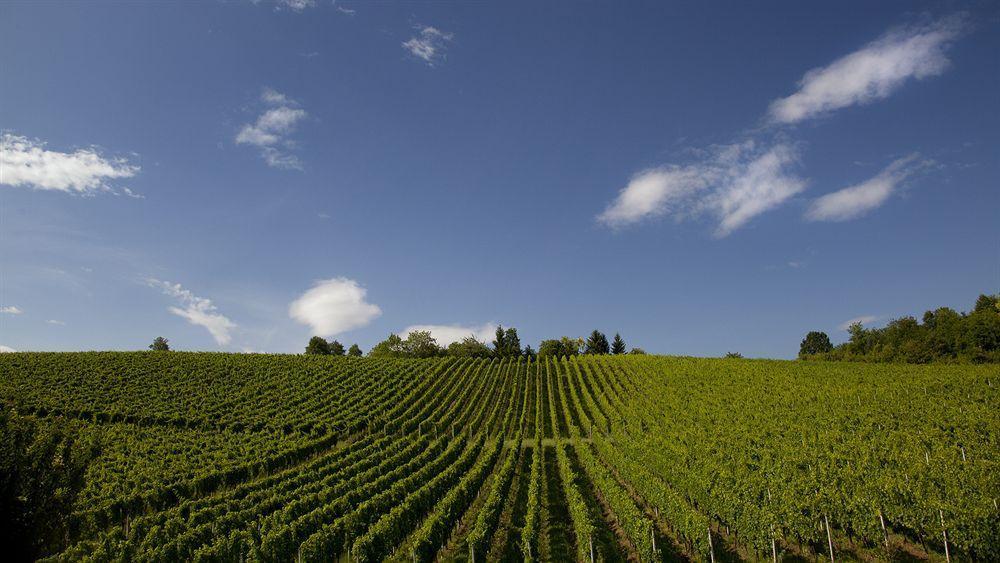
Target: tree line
pixel 944 335
pixel 506 344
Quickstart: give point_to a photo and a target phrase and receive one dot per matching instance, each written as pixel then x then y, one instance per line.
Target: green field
pixel 225 457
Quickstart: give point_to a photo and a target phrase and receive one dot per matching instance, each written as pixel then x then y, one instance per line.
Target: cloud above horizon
pixel 334 306
pixel 6 349
pixel 863 319
pixel 270 132
pixel 446 334
pixel 11 310
pixel 429 44
pixel 27 162
pixel 197 310
pixel 871 73
pixel 734 183
pixel 855 201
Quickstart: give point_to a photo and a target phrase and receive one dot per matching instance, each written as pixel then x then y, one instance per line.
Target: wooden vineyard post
pixel 829 538
pixel 774 550
pixel 590 540
pixel 472 554
pixel 885 533
pixel 652 536
pixel 711 549
pixel 947 555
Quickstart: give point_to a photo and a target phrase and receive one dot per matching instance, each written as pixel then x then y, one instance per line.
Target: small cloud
pixel 873 72
pixel 855 201
pixel 796 265
pixel 270 132
pixel 864 320
pixel 11 310
pixel 55 322
pixel 197 310
pixel 26 162
pixel 343 10
pixel 295 5
pixel 429 44
pixel 334 306
pixel 6 349
pixel 323 216
pixel 446 334
pixel 735 183
pixel 309 55
pixel 132 194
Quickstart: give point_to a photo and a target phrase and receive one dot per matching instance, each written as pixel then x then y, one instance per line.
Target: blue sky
pixel 701 177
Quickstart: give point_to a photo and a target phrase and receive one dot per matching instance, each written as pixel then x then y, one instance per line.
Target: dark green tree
pixel 420 344
pixel 318 346
pixel 987 303
pixel 160 344
pixel 637 351
pixel 618 345
pixel 336 348
pixel 530 353
pixel 391 347
pixel 500 342
pixel 815 342
pixel 565 346
pixel 355 351
pixel 597 343
pixel 512 343
pixel 469 347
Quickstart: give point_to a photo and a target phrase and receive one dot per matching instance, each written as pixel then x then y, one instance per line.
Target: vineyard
pixel 239 457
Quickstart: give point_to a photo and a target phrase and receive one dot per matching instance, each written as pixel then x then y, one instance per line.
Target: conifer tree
pixel 618 345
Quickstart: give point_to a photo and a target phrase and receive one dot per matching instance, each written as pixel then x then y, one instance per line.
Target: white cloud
pixel 6 349
pixel 296 5
pixel 197 310
pixel 334 306
pixel 735 183
pixel 871 73
pixel 270 132
pixel 55 322
pixel 864 319
pixel 26 162
pixel 132 194
pixel 857 200
pixel 446 334
pixel 11 310
pixel 428 45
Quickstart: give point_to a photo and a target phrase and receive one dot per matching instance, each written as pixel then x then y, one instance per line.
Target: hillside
pixel 229 457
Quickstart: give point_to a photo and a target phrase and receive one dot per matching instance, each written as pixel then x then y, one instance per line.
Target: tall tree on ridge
pixel 597 343
pixel 618 345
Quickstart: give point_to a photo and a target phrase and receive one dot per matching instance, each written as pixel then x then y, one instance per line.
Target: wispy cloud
pixel 197 310
pixel 343 10
pixel 735 183
pixel 872 72
pixel 864 319
pixel 11 310
pixel 6 349
pixel 446 334
pixel 334 306
pixel 270 132
pixel 27 162
pixel 295 5
pixel 55 322
pixel 132 194
pixel 429 44
pixel 855 201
